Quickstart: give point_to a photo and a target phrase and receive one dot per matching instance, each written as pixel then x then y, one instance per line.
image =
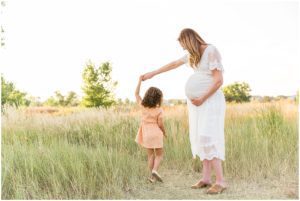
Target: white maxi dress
pixel 206 122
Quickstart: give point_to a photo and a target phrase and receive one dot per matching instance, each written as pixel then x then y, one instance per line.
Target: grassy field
pixel 74 153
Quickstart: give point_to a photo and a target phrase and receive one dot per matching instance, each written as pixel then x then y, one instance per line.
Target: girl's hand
pixel 148 76
pixel 198 101
pixel 141 78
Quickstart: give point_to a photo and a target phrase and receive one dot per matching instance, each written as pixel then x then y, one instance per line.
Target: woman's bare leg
pixel 206 171
pixel 217 165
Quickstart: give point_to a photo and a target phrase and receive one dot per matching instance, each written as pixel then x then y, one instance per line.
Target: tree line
pixel 98 89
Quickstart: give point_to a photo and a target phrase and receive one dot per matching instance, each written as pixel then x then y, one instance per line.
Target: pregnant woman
pixel 206 105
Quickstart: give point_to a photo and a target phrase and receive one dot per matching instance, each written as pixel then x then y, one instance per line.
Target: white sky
pixel 48 42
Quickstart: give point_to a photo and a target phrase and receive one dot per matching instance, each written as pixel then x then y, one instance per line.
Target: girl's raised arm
pixel 137 91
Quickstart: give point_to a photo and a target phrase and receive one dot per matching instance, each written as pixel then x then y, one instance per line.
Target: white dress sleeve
pixel 215 60
pixel 184 58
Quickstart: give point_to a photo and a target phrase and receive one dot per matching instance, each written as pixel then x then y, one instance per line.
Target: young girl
pixel 151 131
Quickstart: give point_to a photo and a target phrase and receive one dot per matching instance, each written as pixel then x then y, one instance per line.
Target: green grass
pixel 91 154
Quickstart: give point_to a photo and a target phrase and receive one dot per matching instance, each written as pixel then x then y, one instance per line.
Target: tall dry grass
pixel 91 154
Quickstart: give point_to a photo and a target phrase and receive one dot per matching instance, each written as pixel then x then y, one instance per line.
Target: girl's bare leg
pixel 158 158
pixel 151 157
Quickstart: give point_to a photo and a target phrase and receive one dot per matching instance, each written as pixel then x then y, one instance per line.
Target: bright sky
pixel 48 42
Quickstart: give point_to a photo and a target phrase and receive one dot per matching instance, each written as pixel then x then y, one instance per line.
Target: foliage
pixel 98 85
pixel 11 96
pixel 60 100
pixel 237 92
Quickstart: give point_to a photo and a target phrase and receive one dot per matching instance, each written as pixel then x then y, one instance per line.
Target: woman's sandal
pixel 216 189
pixel 200 184
pixel 156 176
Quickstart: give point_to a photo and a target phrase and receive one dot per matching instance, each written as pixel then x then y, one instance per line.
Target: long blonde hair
pixel 191 40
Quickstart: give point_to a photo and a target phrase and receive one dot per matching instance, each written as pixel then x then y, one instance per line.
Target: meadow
pixel 77 153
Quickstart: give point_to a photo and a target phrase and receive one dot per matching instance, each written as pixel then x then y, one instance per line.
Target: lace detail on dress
pixel 215 60
pixel 209 148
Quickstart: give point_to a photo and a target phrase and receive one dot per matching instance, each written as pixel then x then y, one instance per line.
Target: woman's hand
pixel 217 83
pixel 148 75
pixel 198 101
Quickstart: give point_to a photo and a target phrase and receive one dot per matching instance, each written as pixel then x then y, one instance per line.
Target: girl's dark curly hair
pixel 153 97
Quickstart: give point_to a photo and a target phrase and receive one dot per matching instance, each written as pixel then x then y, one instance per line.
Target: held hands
pixel 148 76
pixel 198 101
pixel 141 78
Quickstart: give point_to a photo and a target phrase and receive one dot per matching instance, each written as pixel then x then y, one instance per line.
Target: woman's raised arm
pixel 165 68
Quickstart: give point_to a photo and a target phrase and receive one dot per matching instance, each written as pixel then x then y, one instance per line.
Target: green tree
pixel 11 96
pixel 35 101
pixel 128 102
pixel 98 85
pixel 71 99
pixel 280 97
pixel 237 92
pixel 267 98
pixel 60 100
pixel 51 101
pixel 119 101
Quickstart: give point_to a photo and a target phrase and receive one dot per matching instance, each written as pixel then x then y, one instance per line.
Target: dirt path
pixel 177 186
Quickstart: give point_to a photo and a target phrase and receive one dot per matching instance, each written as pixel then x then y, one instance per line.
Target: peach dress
pixel 149 134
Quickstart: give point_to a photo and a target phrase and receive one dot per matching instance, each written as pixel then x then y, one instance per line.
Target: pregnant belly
pixel 197 85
